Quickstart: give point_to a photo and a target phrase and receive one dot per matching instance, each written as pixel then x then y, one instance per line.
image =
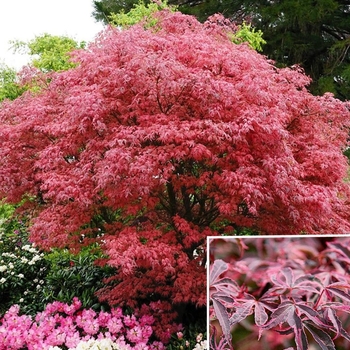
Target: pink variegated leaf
pixel 338 306
pixel 284 280
pixel 223 344
pixel 286 313
pixel 288 275
pixel 260 314
pixel 242 311
pixel 223 318
pixel 223 284
pixel 340 248
pixel 295 322
pixel 217 269
pixel 332 317
pixel 336 289
pixel 312 315
pixel 310 281
pixel 280 315
pixel 320 336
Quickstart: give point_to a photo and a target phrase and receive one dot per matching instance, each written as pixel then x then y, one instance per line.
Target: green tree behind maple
pixel 312 33
pixel 202 9
pixel 48 53
pixel 9 86
pixel 103 9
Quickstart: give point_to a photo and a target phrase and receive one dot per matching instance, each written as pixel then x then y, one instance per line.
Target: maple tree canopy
pixel 163 136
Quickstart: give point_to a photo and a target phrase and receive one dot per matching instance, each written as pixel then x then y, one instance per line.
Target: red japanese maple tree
pixel 165 135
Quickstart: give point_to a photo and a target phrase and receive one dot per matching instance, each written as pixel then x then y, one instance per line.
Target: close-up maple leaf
pixel 274 295
pixel 164 135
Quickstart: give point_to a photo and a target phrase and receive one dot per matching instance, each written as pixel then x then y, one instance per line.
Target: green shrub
pixel 71 275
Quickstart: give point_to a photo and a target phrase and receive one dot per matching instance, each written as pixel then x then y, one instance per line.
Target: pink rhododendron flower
pixel 115 325
pixel 179 335
pixel 62 326
pixel 134 334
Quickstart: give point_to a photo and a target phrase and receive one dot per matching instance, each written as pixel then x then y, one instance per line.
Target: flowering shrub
pixel 75 275
pixel 188 339
pixel 67 326
pixel 280 293
pixel 32 278
pixel 22 269
pixel 200 343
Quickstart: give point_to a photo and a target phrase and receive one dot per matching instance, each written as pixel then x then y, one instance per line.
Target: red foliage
pixel 162 136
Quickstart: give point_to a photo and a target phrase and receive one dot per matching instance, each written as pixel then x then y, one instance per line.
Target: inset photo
pixel 279 292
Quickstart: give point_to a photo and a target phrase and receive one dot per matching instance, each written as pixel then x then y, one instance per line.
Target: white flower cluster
pixel 30 248
pixel 201 344
pixel 8 260
pixel 94 344
pixel 24 260
pixel 4 268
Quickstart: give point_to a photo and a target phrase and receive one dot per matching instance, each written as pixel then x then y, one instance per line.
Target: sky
pixel 23 20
